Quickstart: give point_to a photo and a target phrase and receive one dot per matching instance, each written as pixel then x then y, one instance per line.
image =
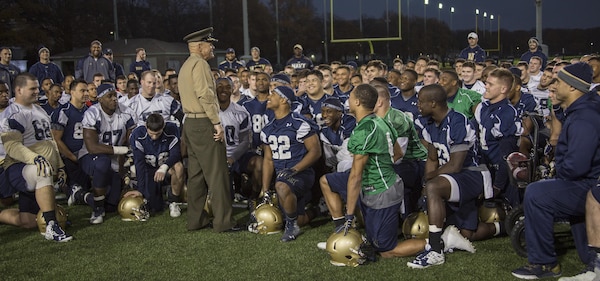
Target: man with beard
pixel 94 63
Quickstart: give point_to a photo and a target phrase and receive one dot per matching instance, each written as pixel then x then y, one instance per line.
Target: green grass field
pixel 162 249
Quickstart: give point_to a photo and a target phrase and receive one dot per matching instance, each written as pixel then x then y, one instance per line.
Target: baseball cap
pixel 108 51
pixel 255 48
pixel 515 70
pixel 298 46
pixel 104 89
pixel 230 50
pixel 472 35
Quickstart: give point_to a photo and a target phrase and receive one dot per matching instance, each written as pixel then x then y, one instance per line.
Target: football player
pixel 106 129
pixel 459 99
pixel 499 127
pixel 452 173
pixel 335 133
pixel 68 134
pixel 413 154
pixel 291 146
pixel 314 96
pixel 53 95
pixel 31 160
pixel 156 153
pixel 148 102
pixel 236 122
pixel 406 101
pixel 259 115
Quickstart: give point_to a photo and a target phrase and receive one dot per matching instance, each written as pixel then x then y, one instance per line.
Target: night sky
pixel 515 14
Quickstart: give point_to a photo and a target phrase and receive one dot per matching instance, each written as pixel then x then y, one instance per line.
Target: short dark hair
pixel 452 74
pixel 21 79
pixel 121 77
pixel 504 75
pixel 78 81
pixel 367 95
pixel 317 73
pixel 155 122
pixel 412 73
pixel 434 92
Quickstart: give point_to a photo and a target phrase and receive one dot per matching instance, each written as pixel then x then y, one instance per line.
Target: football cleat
pixel 61 217
pixel 454 240
pixel 56 233
pixel 72 197
pixel 427 258
pixel 292 230
pixel 97 216
pixel 537 271
pixel 322 246
pixel 174 209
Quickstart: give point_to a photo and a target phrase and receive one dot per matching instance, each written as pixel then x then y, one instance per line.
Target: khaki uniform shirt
pixel 197 89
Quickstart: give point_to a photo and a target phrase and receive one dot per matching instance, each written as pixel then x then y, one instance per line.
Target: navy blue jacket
pixel 578 149
pixel 476 54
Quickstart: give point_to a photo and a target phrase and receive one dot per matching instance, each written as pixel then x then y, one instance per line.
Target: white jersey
pixel 163 104
pixel 235 120
pixel 477 87
pixel 541 98
pixel 534 81
pixel 34 125
pixel 32 122
pixel 112 130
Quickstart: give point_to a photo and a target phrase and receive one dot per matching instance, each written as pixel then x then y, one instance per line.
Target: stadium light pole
pixel 116 33
pixel 491 18
pixel 426 2
pixel 476 18
pixel 484 19
pixel 451 14
pixel 277 33
pixel 440 6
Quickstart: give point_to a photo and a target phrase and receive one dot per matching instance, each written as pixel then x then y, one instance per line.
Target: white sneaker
pixel 97 216
pixel 454 240
pixel 322 245
pixel 584 276
pixel 174 210
pixel 74 189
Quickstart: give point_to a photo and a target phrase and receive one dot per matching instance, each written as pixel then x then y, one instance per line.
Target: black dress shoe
pixel 234 228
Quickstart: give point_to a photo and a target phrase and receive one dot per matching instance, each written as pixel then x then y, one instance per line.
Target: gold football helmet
pixel 133 209
pixel 416 225
pixel 344 250
pixel 269 219
pixel 61 217
pixel 492 211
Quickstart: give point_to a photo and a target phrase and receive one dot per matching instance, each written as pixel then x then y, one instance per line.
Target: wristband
pixel 120 150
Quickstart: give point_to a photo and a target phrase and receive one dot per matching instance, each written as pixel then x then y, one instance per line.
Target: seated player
pixel 156 153
pixel 291 146
pixel 68 134
pixel 106 127
pixel 452 176
pixel 31 160
pixel 337 127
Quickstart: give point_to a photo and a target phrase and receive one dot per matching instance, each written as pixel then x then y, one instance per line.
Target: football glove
pixel 44 169
pixel 286 174
pixel 61 178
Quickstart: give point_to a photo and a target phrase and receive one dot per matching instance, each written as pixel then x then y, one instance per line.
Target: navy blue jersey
pixel 243 99
pixel 527 103
pixel 260 64
pixel 286 137
pixel 498 125
pixel 258 117
pixel 408 106
pixel 68 118
pixel 313 107
pixel 343 96
pixel 149 155
pixel 527 56
pixel 333 141
pixel 300 63
pixel 453 134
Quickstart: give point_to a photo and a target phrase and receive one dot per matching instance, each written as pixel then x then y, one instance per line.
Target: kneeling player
pixel 156 152
pixel 291 146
